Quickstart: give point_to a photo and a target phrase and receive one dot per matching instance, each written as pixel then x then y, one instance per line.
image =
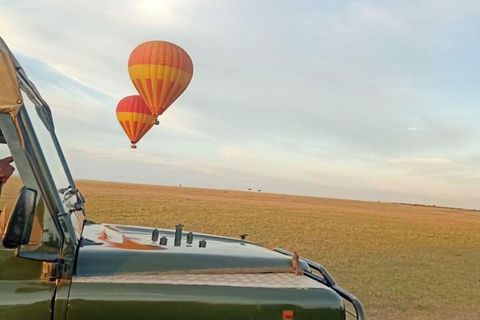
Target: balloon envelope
pixel 134 117
pixel 160 71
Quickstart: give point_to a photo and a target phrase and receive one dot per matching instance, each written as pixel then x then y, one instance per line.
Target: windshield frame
pixel 67 203
pixel 64 211
pixel 73 201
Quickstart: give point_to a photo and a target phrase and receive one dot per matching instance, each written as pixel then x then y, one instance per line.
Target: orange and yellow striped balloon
pixel 160 71
pixel 135 118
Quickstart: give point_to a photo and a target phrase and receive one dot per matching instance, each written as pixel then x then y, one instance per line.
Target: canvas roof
pixel 10 96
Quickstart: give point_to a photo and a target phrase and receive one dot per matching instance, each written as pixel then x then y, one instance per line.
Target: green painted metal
pixel 61 300
pixel 23 295
pixel 144 301
pixel 108 257
pixel 25 299
pixel 105 257
pixel 14 269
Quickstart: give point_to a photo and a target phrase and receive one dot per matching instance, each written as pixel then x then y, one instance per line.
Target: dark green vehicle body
pixel 72 268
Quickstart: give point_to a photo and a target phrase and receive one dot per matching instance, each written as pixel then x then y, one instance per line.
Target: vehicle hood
pixel 122 274
pixel 108 249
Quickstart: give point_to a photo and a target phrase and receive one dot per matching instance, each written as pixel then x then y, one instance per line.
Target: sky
pixel 368 100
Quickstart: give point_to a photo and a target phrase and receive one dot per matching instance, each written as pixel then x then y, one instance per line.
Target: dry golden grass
pixel 402 261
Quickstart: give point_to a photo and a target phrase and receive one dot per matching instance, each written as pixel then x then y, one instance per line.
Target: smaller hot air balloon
pixel 135 118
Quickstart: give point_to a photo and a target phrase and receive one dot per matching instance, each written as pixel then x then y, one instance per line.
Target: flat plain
pixel 401 261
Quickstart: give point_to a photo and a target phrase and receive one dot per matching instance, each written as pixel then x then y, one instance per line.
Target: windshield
pixel 26 124
pixel 56 164
pixel 49 151
pixel 44 232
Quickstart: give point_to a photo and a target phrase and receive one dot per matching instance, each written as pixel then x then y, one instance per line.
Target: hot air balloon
pixel 160 71
pixel 135 118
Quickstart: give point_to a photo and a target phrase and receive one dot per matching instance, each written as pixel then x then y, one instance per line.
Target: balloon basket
pixel 156 122
pixel 133 146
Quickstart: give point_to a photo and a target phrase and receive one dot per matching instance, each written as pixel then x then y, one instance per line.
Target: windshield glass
pixel 49 151
pixel 57 170
pixel 13 185
pixel 44 232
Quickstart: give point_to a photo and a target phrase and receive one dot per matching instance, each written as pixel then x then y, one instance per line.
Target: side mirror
pixel 20 223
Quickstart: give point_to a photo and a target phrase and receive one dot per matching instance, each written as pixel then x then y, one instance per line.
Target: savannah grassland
pixel 401 261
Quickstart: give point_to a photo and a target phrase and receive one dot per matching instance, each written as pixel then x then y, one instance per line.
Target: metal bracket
pixel 327 280
pixel 50 271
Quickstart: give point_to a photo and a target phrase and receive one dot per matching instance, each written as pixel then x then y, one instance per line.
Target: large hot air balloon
pixel 160 71
pixel 135 118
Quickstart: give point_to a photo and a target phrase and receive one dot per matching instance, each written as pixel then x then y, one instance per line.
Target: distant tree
pixel 249 189
pixel 259 190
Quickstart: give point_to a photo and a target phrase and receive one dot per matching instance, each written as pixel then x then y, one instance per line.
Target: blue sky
pixel 349 99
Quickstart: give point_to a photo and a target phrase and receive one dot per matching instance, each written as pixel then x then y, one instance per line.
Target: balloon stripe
pixel 142 131
pixel 124 116
pixel 139 125
pixel 126 108
pixel 135 132
pixel 147 123
pixel 138 85
pixel 174 94
pixel 184 80
pixel 154 84
pixel 129 130
pixel 169 98
pixel 159 90
pixel 177 80
pixel 145 71
pixel 154 75
pixel 140 122
pixel 168 89
pixel 122 124
pixel 132 131
pixel 182 68
pixel 163 53
pixel 159 72
pixel 126 125
pixel 148 85
pixel 134 116
pixel 179 93
pixel 141 90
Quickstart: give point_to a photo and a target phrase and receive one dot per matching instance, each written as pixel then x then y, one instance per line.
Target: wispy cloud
pixel 232 152
pixel 423 161
pixel 357 99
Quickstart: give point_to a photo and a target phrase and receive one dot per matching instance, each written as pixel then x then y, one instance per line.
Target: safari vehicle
pixel 56 264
